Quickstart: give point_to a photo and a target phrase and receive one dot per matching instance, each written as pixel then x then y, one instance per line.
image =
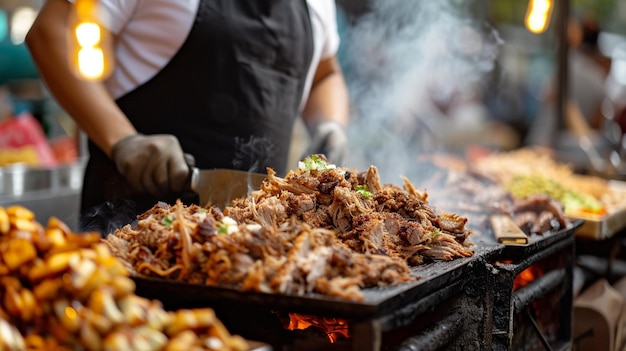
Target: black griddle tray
pixel 377 301
pixel 537 242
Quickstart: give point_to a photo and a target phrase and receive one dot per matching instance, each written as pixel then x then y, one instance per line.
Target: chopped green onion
pixel 435 233
pixel 227 226
pixel 168 220
pixel 314 163
pixel 222 228
pixel 363 191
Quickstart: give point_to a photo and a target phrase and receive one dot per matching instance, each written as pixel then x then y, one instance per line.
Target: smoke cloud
pixel 108 217
pixel 407 62
pixel 252 152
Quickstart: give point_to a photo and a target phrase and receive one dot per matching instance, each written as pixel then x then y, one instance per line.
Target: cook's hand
pixel 329 138
pixel 153 164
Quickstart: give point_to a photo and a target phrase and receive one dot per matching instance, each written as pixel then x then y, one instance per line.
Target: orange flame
pixel 333 328
pixel 527 276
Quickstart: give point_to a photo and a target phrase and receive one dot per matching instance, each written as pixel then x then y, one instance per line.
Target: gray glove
pixel 152 164
pixel 329 138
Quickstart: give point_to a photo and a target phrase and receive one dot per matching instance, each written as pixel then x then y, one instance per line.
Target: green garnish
pixel 168 220
pixel 523 186
pixel 227 226
pixel 314 163
pixel 222 228
pixel 362 190
pixel 435 233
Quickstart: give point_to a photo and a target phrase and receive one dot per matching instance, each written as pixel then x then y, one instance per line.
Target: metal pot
pixel 19 179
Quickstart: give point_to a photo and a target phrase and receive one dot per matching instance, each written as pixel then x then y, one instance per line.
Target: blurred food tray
pixel 600 227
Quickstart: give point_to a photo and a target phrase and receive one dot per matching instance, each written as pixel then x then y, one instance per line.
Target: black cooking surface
pixel 377 301
pixel 537 242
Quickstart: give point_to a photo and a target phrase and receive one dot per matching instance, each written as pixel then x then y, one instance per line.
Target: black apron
pixel 230 94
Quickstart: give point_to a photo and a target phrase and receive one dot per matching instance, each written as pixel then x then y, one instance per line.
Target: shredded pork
pixel 369 217
pixel 200 245
pixel 331 231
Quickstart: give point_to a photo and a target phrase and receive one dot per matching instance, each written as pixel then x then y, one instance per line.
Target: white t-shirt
pixel 141 51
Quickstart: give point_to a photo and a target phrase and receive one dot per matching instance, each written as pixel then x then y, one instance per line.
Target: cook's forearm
pixel 94 111
pixel 328 99
pixel 88 103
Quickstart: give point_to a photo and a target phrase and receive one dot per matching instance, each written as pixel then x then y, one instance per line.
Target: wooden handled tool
pixel 507 231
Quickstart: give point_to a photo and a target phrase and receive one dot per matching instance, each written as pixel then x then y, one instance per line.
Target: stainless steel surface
pixel 61 203
pixel 19 179
pixel 47 192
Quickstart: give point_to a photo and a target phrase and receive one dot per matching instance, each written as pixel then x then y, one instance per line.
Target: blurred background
pixel 465 78
pixel 464 75
pixel 459 76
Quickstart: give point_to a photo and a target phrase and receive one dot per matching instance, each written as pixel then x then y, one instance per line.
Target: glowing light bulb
pixel 91 62
pixel 538 15
pixel 91 51
pixel 88 34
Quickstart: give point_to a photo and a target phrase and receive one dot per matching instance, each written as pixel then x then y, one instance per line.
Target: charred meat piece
pixel 538 214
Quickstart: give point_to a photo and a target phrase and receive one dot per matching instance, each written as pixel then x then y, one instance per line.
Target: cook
pixel 221 81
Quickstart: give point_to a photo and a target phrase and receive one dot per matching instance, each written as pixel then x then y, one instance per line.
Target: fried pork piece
pixel 201 245
pixel 369 217
pixel 537 214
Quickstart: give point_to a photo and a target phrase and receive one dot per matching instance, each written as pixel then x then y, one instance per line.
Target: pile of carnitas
pixel 321 228
pixel 65 291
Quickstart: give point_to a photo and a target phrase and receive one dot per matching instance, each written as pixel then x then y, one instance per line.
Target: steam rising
pixel 252 152
pixel 408 62
pixel 108 217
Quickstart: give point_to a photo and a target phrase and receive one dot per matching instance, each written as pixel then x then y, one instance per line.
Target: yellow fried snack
pixel 65 291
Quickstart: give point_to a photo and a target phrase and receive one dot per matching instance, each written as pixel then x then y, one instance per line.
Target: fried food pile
pixel 332 231
pixel 65 291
